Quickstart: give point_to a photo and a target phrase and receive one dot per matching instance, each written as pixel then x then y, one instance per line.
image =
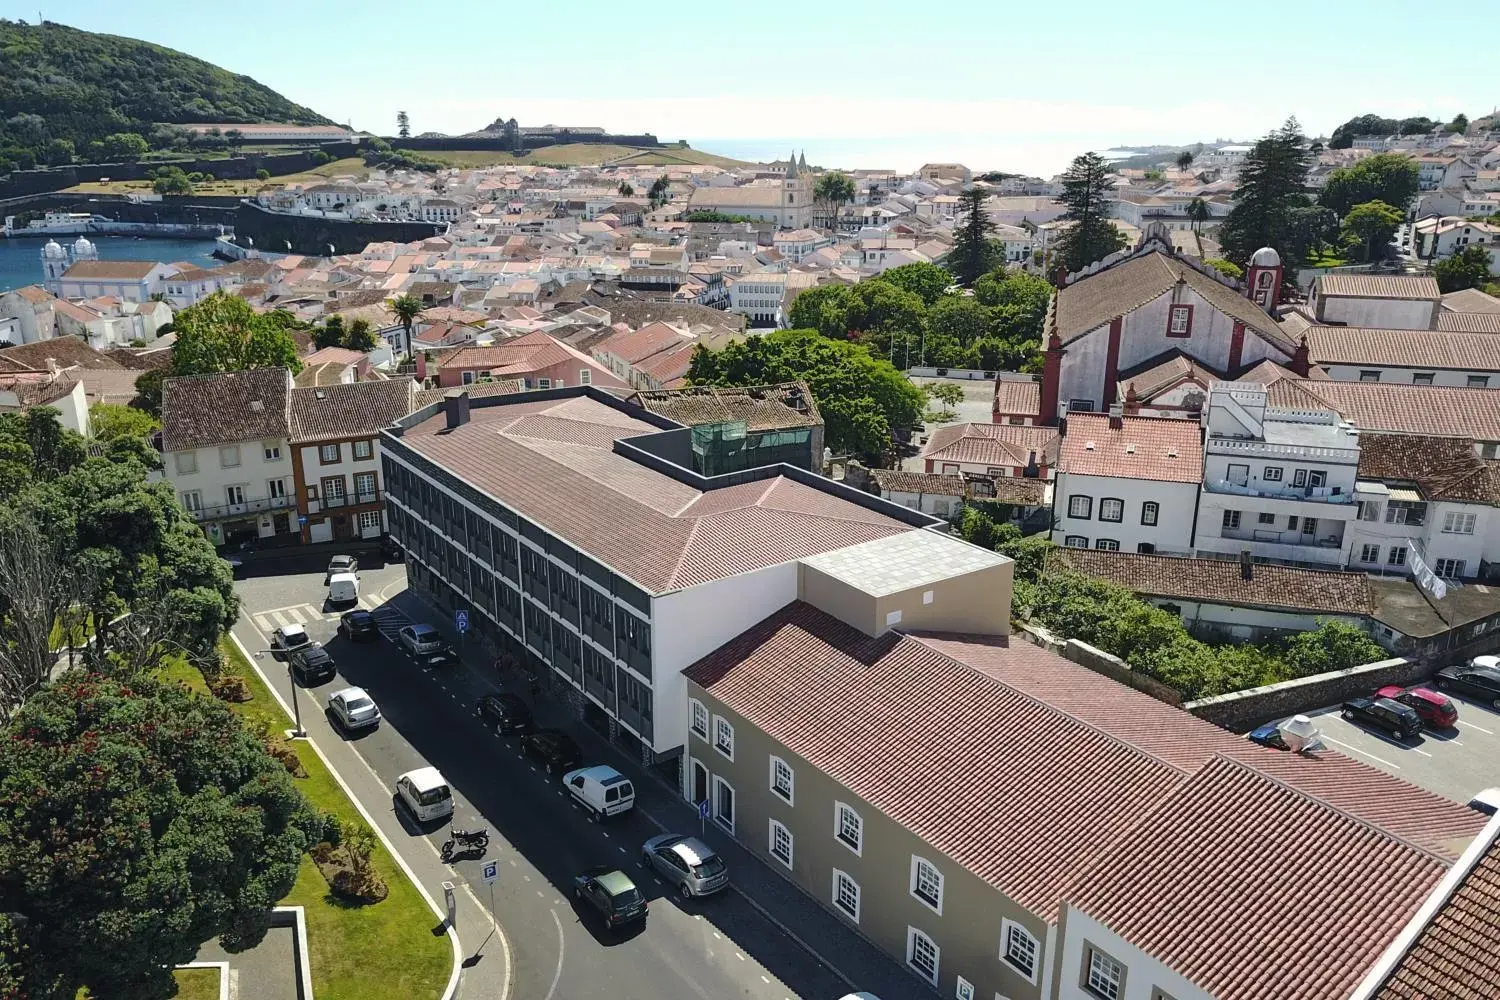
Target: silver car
pixel 354 708
pixel 686 863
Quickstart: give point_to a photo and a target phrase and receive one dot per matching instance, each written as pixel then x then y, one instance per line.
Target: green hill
pixel 61 85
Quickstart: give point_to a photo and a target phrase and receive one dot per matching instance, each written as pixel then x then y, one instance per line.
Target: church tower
pixel 1263 280
pixel 54 263
pixel 796 194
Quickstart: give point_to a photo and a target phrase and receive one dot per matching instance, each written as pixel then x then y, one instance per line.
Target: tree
pixel 330 334
pixel 950 394
pixel 361 337
pixel 1227 268
pixel 1343 137
pixel 406 308
pixel 39 587
pixel 403 125
pixel 890 319
pixel 36 448
pixel 1092 236
pixel 59 153
pixel 172 180
pixel 824 308
pixel 1184 159
pixel 223 334
pixel 108 421
pixel 1017 302
pixel 1387 177
pixel 1459 124
pixel 141 821
pixel 263 174
pixel 660 188
pixel 1373 224
pixel 625 189
pixel 926 281
pixel 973 252
pixel 1198 213
pixel 960 317
pixel 862 398
pixel 1468 268
pixel 125 147
pixel 1271 178
pixel 835 190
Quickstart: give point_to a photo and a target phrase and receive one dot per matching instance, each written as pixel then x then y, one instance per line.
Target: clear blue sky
pixel 995 83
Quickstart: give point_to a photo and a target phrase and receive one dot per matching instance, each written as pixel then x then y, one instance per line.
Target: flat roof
pixel 901 562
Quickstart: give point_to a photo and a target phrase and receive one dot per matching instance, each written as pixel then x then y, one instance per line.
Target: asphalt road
pixel 715 948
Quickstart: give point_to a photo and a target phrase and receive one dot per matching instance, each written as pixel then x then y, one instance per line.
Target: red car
pixel 1435 710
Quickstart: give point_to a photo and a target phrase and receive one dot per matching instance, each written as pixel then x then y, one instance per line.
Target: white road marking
pixel 1357 750
pixel 281 619
pixel 1470 725
pixel 716 936
pixel 765 980
pixel 295 614
pixel 265 625
pixel 739 956
pixel 606 836
pixel 1454 743
pixel 561 944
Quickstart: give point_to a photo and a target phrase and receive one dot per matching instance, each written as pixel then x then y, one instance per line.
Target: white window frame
pixel 1114 985
pixel 229 499
pixel 585 376
pixel 323 458
pixel 1088 503
pixel 1010 927
pixel 369 519
pixel 791 846
pixel 914 881
pixel 1150 513
pixel 912 936
pixel 789 796
pixel 188 467
pixel 695 709
pixel 1369 554
pixel 1457 522
pixel 543 383
pixel 720 721
pixel 839 877
pixel 1455 568
pixel 276 489
pixel 858 847
pixel 226 451
pixel 1119 509
pixel 1271 474
pixel 1107 544
pixel 1075 542
pixel 271 450
pixel 368 449
pixel 192 500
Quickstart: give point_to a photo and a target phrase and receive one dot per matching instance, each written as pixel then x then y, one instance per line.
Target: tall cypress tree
pixel 1270 197
pixel 1092 236
pixel 973 253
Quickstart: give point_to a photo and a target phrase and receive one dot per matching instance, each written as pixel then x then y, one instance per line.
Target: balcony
pixel 239 509
pixel 1324 549
pixel 1317 494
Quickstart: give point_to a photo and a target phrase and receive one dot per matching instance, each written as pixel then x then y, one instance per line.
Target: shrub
pixel 230 688
pixel 263 174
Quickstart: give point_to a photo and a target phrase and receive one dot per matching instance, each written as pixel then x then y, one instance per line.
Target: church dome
pixel 1265 257
pixel 82 243
pixel 53 251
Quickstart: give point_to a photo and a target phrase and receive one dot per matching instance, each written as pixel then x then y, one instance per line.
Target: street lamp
pixel 297 733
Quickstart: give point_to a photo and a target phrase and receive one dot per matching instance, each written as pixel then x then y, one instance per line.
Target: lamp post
pixel 298 732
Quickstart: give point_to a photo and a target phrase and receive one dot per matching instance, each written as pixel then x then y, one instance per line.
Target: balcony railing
pixel 335 501
pixel 238 509
pixel 1270 536
pixel 1319 494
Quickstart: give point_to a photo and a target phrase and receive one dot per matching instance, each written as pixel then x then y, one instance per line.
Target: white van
pixel 601 790
pixel 426 794
pixel 343 588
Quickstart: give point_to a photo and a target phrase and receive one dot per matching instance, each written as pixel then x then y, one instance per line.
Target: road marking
pixel 622 851
pixel 765 980
pixel 265 625
pixel 281 619
pixel 539 894
pixel 716 936
pixel 606 836
pixel 1454 743
pixel 561 945
pixel 1470 725
pixel 739 956
pixel 1424 753
pixel 1357 750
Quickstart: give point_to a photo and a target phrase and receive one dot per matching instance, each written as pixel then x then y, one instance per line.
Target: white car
pixel 354 708
pixel 288 637
pixel 426 793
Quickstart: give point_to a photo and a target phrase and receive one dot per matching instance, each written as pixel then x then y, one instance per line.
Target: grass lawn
pixel 197 984
pixel 82 632
pixel 1326 260
pixel 352 165
pixel 381 952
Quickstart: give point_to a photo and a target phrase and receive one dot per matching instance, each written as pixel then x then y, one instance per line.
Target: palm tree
pixel 1184 160
pixel 407 308
pixel 1197 212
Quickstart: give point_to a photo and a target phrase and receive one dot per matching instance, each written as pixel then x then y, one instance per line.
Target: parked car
pixel 420 638
pixel 441 655
pixel 288 637
pixel 610 892
pixel 425 793
pixel 359 626
pixel 506 712
pixel 343 589
pixel 311 664
pixel 340 564
pixel 553 747
pixel 1269 735
pixel 601 790
pixel 1395 718
pixel 1479 679
pixel 686 863
pixel 354 708
pixel 1435 710
pixel 1487 801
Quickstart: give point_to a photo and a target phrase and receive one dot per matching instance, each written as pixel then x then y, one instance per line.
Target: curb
pixel 452 989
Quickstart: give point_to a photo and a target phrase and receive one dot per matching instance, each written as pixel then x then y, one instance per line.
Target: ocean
pixel 21 259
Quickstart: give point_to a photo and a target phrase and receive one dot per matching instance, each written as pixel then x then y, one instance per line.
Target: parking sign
pixel 703 809
pixel 461 620
pixel 491 872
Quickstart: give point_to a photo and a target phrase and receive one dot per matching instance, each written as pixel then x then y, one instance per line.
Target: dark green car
pixel 611 892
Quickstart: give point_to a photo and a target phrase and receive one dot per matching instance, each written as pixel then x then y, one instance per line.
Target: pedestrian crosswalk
pixel 390 621
pixel 297 614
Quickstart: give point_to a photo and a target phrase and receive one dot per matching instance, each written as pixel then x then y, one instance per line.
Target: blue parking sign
pixel 703 809
pixel 461 620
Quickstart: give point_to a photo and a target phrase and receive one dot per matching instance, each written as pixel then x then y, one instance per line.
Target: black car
pixel 554 748
pixel 612 893
pixel 359 626
pixel 391 550
pixel 1395 718
pixel 1479 679
pixel 506 712
pixel 311 665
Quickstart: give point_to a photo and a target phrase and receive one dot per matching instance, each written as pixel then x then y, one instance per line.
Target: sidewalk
pixel 836 946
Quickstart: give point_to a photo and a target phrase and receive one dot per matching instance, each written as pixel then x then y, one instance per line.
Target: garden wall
pixel 1244 710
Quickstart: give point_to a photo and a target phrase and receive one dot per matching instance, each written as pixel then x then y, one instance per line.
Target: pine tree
pixel 1269 197
pixel 403 125
pixel 973 252
pixel 1092 236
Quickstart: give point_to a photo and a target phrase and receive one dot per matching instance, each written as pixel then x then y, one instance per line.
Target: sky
pixel 994 84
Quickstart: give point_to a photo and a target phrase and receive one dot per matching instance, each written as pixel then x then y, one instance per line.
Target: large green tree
pixel 36 448
pixel 887 318
pixel 223 334
pixel 406 309
pixel 1092 236
pixel 1271 189
pixel 862 398
pixel 1373 224
pixel 140 821
pixel 835 190
pixel 1387 177
pixel 927 282
pixel 1343 137
pixel 1468 268
pixel 973 252
pixel 108 421
pixel 824 308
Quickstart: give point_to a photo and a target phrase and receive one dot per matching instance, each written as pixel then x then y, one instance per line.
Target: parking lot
pixel 1454 764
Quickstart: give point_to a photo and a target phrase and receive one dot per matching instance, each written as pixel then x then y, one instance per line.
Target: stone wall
pixel 24 182
pixel 532 143
pixel 1098 661
pixel 1244 710
pixel 311 234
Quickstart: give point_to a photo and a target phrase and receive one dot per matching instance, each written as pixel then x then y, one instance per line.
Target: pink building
pixel 538 360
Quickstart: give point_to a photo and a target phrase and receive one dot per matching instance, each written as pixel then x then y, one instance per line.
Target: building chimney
pixel 1247 566
pixel 1116 415
pixel 1132 401
pixel 52 368
pixel 1051 379
pixel 1032 471
pixel 456 406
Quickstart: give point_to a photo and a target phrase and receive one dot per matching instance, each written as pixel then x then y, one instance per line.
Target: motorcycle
pixel 468 840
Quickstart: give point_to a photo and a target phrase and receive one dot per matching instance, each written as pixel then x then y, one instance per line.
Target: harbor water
pixel 21 258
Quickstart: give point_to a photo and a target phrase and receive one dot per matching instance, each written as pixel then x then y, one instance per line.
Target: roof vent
pixel 1088 446
pixel 257 406
pixel 320 394
pixel 1171 452
pixel 1130 449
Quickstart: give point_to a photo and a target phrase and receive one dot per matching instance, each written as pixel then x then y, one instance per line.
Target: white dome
pixel 1265 257
pixel 82 243
pixel 53 251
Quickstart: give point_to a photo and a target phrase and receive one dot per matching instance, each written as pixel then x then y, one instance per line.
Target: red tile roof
pixel 1469 322
pixel 1016 397
pixel 1443 468
pixel 998 445
pixel 1379 286
pixel 638 345
pixel 1168 451
pixel 1433 410
pixel 1349 345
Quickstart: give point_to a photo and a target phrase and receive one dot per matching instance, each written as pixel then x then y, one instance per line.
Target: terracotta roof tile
pixel 1470 300
pixel 995 445
pixel 1380 286
pixel 1018 397
pixel 1434 410
pixel 761 407
pixel 67 351
pixel 899 481
pixel 1347 345
pixel 1169 451
pixel 1443 468
pixel 111 269
pixel 1475 322
pixel 199 411
pixel 348 409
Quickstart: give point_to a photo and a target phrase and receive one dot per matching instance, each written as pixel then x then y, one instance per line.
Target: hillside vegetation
pixel 68 94
pixel 582 154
